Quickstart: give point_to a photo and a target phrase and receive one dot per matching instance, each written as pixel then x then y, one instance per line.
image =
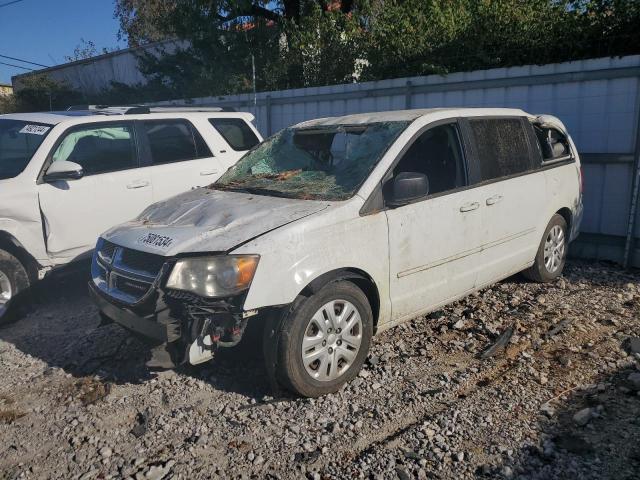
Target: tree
pixel 41 93
pixel 8 104
pixel 299 43
pixel 293 43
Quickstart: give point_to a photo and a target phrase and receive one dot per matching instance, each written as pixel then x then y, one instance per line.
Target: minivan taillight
pixel 581 180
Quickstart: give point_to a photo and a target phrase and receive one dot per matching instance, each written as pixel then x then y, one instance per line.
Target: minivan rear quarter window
pixel 19 140
pixel 236 132
pixel 502 147
pixel 553 143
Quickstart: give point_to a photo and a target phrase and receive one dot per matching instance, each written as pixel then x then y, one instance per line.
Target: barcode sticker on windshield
pixel 35 129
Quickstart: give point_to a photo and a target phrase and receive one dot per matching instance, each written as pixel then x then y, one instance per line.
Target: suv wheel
pixel 552 252
pixel 13 279
pixel 325 340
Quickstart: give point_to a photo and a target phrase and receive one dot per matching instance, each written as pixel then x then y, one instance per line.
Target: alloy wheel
pixel 554 249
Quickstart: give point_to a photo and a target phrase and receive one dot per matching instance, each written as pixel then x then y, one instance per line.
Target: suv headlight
pixel 219 276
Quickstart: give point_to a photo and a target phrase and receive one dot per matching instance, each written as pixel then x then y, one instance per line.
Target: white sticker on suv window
pixel 35 129
pixel 155 240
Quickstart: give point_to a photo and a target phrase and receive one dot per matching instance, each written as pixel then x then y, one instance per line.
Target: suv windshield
pixel 18 142
pixel 320 163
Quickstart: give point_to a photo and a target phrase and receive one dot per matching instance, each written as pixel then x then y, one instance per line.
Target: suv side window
pixel 553 143
pixel 236 132
pixel 99 149
pixel 436 153
pixel 502 147
pixel 174 141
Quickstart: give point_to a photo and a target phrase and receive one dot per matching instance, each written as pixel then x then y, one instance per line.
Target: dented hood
pixel 206 220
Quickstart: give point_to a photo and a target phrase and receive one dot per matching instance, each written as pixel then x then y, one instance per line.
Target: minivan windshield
pixel 318 163
pixel 19 140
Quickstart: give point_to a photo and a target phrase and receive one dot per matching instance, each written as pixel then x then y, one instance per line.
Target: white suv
pixel 67 176
pixel 338 228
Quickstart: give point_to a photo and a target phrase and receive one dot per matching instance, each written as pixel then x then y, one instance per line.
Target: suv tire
pixel 552 252
pixel 13 281
pixel 335 325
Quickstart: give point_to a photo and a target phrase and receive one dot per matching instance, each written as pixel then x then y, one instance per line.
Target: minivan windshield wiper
pixel 254 190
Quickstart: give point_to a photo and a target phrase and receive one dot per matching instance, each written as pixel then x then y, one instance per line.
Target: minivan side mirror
pixel 63 170
pixel 405 188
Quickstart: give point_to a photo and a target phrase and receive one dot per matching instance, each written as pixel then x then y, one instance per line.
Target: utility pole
pixel 255 94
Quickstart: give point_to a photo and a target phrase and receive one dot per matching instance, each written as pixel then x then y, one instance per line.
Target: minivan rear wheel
pixel 324 340
pixel 13 280
pixel 552 252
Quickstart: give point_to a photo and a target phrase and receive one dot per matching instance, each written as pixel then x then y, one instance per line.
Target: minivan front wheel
pixel 325 340
pixel 552 252
pixel 13 279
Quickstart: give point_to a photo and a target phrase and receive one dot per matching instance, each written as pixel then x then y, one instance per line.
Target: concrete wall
pixel 597 99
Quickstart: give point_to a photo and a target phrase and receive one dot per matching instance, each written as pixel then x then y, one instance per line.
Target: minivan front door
pixel 434 250
pixel 434 243
pixel 112 190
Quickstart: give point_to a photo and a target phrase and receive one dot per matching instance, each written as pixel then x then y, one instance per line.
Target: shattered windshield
pixel 18 142
pixel 319 163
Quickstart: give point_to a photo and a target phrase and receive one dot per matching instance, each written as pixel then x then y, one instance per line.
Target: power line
pixel 10 3
pixel 17 66
pixel 24 61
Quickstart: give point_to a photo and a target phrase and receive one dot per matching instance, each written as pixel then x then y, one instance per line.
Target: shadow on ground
pixel 592 433
pixel 61 328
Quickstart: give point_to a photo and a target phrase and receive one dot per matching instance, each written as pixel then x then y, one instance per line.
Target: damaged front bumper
pixel 182 327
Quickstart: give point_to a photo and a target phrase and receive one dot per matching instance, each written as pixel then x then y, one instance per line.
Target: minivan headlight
pixel 219 276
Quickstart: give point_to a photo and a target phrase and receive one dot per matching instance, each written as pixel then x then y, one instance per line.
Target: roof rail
pixel 189 108
pixel 140 109
pixel 112 109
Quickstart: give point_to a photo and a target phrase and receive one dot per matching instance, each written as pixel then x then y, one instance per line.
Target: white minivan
pixel 67 176
pixel 336 229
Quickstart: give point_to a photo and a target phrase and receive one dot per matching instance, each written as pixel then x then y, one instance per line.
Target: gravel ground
pixel 562 400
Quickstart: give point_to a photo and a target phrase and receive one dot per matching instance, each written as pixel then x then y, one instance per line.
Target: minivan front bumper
pixel 148 326
pixel 182 330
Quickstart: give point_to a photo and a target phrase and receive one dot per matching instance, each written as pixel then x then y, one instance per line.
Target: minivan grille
pixel 123 273
pixel 142 261
pixel 107 250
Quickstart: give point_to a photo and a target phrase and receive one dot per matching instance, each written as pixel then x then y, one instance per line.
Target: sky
pixel 45 31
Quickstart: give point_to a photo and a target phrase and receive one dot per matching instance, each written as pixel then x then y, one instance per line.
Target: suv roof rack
pixel 189 108
pixel 140 109
pixel 111 109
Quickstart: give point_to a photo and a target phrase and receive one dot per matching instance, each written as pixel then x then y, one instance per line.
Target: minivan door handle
pixel 204 173
pixel 493 200
pixel 138 184
pixel 467 207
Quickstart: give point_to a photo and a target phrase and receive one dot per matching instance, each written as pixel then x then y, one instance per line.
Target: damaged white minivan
pixel 336 229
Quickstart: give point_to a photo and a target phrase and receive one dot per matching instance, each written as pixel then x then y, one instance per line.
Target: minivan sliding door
pixel 512 192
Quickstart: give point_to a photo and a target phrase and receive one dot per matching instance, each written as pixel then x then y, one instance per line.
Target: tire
pixel 338 361
pixel 549 261
pixel 14 284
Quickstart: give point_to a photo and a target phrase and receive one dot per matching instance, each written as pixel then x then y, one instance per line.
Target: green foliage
pixel 41 93
pixel 8 104
pixel 305 43
pixel 301 43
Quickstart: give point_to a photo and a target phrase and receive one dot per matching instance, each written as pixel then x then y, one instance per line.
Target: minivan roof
pixel 408 115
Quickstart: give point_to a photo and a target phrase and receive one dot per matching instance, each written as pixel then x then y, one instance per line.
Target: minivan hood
pixel 207 220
